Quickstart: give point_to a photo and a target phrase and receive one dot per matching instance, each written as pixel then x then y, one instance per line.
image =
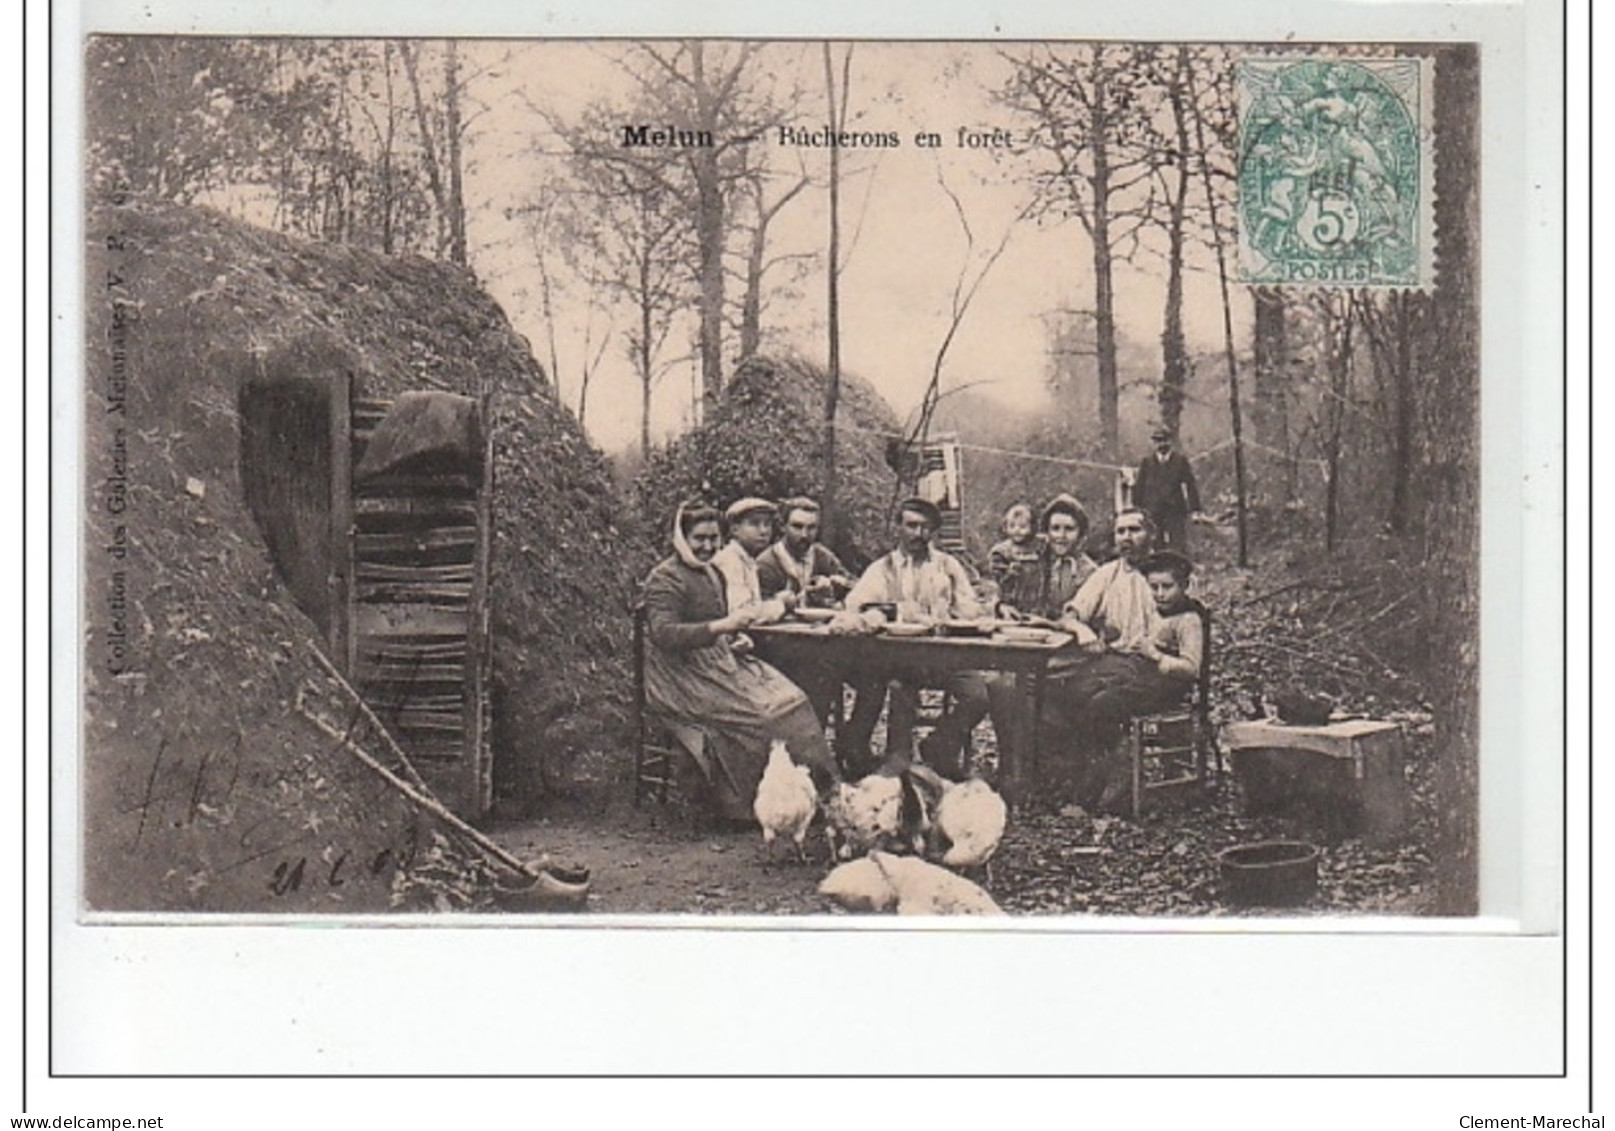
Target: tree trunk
pixel 389 194
pixel 751 304
pixel 709 233
pixel 1451 478
pixel 1403 393
pixel 1104 287
pixel 1235 421
pixel 1270 412
pixel 644 379
pixel 452 129
pixel 423 122
pixel 1174 351
pixel 1340 356
pixel 832 391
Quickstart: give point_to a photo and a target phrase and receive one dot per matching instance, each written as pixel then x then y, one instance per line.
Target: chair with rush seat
pixel 1175 751
pixel 655 750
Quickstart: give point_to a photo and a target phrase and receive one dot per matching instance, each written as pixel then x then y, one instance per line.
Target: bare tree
pixel 973 271
pixel 832 394
pixel 1394 323
pixel 1234 419
pixel 1174 350
pixel 1085 106
pixel 1270 373
pixel 759 264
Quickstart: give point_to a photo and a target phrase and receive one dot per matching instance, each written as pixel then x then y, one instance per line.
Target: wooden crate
pixel 1349 775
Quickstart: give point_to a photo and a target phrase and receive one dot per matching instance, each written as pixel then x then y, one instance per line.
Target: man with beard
pixel 1115 620
pixel 799 563
pixel 798 567
pixel 921 584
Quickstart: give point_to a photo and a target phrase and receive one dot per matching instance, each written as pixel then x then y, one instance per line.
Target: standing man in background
pixel 1165 487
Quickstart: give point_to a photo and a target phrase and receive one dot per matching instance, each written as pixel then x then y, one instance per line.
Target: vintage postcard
pixel 1064 455
pixel 1018 484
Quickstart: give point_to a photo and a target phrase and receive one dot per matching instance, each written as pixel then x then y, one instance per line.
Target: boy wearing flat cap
pixel 751 528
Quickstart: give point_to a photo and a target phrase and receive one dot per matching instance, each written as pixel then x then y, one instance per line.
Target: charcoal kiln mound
pixel 221 363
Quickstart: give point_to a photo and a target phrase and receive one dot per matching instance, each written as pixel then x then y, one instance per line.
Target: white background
pixel 1459 999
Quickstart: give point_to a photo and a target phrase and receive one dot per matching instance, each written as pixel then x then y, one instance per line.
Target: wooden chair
pixel 655 751
pixel 1176 750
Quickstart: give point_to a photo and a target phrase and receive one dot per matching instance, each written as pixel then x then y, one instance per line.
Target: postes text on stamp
pixel 1334 171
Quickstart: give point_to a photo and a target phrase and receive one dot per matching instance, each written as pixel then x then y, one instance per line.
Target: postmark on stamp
pixel 1334 171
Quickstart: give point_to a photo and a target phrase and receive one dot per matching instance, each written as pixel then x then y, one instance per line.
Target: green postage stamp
pixel 1335 171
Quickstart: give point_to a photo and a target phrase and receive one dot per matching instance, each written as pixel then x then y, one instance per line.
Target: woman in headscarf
pixel 723 705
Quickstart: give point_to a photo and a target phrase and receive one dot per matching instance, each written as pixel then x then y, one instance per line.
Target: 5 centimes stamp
pixel 1334 171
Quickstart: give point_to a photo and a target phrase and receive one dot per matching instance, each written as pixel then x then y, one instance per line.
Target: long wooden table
pixel 919 657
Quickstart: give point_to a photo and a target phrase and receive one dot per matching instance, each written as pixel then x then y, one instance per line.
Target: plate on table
pixel 1025 634
pixel 967 628
pixel 814 616
pixel 901 628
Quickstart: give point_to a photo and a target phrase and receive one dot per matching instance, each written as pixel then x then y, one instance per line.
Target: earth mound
pixel 206 786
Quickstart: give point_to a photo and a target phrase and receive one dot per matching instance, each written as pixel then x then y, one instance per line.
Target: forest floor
pixel 1053 860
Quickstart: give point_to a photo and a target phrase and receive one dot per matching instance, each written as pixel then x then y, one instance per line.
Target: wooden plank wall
pixel 418 648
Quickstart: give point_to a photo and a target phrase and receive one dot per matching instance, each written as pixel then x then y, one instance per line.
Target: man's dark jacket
pixel 1166 489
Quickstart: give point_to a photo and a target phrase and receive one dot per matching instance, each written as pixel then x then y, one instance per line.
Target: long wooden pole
pixel 422 801
pixel 1227 325
pixel 415 788
pixel 832 391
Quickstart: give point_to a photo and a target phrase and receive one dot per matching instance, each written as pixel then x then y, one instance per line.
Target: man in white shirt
pixel 919 584
pixel 1113 610
pixel 1115 619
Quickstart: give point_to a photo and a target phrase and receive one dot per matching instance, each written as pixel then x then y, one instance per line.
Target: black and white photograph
pixel 743 477
pixel 652 545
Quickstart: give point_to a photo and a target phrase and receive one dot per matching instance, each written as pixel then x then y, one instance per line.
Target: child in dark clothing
pixel 1016 563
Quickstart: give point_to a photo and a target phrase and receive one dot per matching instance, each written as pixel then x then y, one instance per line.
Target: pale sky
pixel 897 282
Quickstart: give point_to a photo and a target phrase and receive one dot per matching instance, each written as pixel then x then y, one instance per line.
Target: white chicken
pixel 969 816
pixel 786 801
pixel 972 818
pixel 860 817
pixel 882 881
pixel 859 885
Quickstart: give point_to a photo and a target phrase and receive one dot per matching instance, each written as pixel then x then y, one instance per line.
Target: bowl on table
pixel 813 616
pixel 966 627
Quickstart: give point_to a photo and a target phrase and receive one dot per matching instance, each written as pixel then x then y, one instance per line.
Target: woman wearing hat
pixel 1062 565
pixel 724 706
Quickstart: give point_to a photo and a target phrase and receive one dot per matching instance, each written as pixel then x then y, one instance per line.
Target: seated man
pixel 924 584
pixel 1117 616
pixel 802 564
pixel 799 565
